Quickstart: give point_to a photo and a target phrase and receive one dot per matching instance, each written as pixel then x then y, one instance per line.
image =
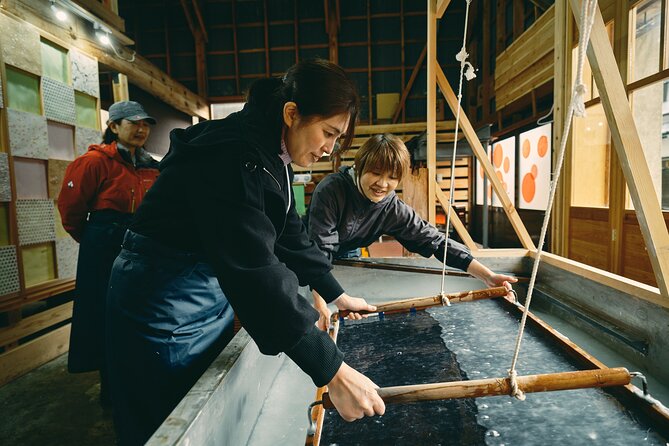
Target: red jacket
pixel 102 179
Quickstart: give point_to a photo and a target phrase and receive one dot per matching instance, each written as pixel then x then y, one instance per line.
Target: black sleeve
pixel 418 236
pixel 239 239
pixel 303 257
pixel 324 214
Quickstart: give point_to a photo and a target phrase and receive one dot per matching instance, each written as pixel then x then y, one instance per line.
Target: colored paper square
pixel 58 101
pixel 60 231
pixel 86 110
pixel 21 45
pixel 5 181
pixel 56 174
pixel 9 271
pixel 67 252
pixel 39 264
pixel 36 221
pixel 85 76
pixel 61 141
pixel 4 224
pixel 23 91
pixel 55 63
pixel 30 178
pixel 85 137
pixel 27 135
pixel 534 172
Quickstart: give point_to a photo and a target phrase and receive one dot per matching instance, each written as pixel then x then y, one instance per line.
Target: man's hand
pixel 354 304
pixel 323 311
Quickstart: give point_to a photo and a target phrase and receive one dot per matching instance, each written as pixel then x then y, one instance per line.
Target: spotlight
pixel 59 13
pixel 102 34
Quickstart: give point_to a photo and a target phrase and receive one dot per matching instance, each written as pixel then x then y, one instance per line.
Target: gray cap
pixel 130 110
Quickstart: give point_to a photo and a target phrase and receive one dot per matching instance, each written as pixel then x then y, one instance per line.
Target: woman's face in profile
pixel 308 140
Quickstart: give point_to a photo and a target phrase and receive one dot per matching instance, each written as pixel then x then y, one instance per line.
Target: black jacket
pixel 341 219
pixel 225 194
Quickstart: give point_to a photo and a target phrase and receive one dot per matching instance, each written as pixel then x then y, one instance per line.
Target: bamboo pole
pixel 549 382
pixel 420 303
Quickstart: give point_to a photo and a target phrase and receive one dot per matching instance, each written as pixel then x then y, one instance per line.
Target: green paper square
pixel 298 195
pixel 23 91
pixel 55 63
pixel 4 224
pixel 39 263
pixel 87 110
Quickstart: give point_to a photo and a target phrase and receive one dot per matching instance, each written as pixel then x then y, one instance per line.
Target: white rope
pixel 462 57
pixel 576 108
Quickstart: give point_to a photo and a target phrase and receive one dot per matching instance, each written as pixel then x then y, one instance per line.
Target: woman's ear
pixel 114 127
pixel 290 113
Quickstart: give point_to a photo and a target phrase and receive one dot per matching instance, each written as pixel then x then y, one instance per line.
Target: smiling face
pixel 131 134
pixel 377 185
pixel 307 140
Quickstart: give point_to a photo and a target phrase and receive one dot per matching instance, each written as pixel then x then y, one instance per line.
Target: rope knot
pixel 579 105
pixel 515 390
pixel 445 300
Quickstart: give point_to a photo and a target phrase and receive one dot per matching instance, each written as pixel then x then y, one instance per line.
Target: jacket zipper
pixel 132 204
pixel 274 178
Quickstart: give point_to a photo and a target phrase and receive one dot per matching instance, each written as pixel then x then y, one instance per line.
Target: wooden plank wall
pixel 527 63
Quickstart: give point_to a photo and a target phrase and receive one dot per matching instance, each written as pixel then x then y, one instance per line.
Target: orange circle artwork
pixel 542 146
pixel 497 155
pixel 481 172
pixel 534 171
pixel 526 148
pixel 499 175
pixel 528 188
pixel 507 164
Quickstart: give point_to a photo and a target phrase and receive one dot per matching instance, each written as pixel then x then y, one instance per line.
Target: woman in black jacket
pixel 219 230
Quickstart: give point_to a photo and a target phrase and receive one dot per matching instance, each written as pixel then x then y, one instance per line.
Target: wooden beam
pixel 332 29
pixel 200 38
pixel 480 153
pixel 28 356
pixel 441 7
pixel 33 324
pixel 628 147
pixel 431 108
pixel 106 15
pixel 141 72
pixel 455 220
pixel 200 19
pixel 412 78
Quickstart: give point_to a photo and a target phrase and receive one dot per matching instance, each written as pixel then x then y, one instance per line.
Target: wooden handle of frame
pixel 420 303
pixel 500 386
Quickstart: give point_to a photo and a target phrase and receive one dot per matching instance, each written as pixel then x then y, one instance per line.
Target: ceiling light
pixel 58 12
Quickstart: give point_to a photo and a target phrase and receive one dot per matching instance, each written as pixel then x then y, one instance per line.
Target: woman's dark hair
pixel 321 89
pixel 109 136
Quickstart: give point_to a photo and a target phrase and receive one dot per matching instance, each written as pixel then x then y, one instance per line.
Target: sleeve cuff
pixel 317 355
pixel 328 287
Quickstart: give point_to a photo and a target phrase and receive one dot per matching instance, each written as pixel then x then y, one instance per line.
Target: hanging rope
pixel 462 57
pixel 576 108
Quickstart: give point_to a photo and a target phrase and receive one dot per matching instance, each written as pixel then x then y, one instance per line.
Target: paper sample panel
pixel 534 170
pixel 9 271
pixel 86 110
pixel 39 264
pixel 23 91
pixel 4 224
pixel 55 64
pixel 61 141
pixel 85 73
pixel 58 101
pixel 21 45
pixel 504 162
pixel 5 181
pixel 36 221
pixel 84 137
pixel 479 182
pixel 27 135
pixel 67 252
pixel 56 171
pixel 30 178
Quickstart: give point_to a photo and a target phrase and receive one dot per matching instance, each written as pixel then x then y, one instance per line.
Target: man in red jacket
pixel 100 192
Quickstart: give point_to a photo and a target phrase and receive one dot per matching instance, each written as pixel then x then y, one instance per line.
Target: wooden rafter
pixel 200 36
pixel 441 7
pixel 628 147
pixel 431 109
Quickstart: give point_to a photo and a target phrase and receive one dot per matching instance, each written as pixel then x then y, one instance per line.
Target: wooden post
pixel 120 87
pixel 407 89
pixel 421 303
pixel 455 220
pixel 628 147
pixel 332 28
pixel 478 388
pixel 431 108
